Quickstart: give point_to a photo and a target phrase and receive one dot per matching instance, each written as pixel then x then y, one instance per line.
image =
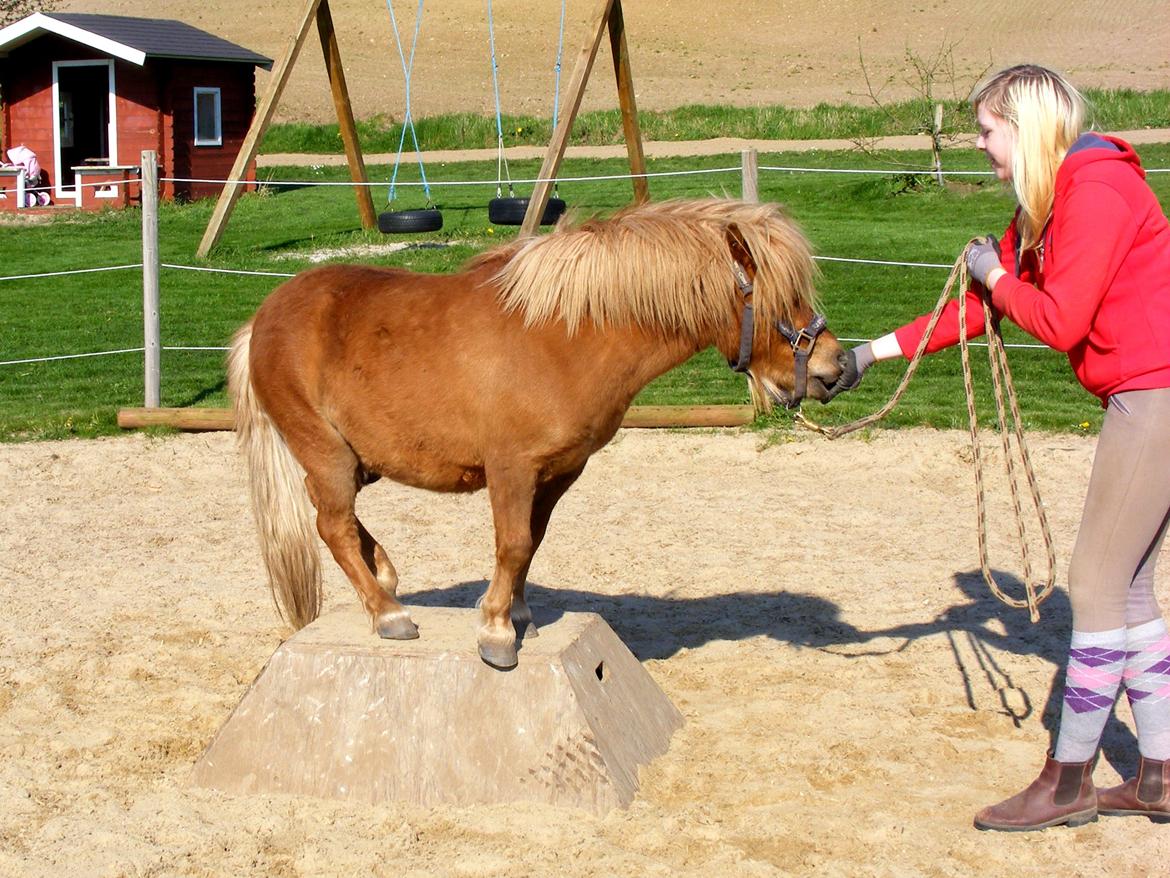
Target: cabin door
pixel 84 130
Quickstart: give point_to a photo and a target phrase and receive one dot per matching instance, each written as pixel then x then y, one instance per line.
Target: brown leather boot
pixel 1063 793
pixel 1147 795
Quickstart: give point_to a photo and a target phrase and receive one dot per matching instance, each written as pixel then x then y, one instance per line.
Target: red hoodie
pixel 1099 288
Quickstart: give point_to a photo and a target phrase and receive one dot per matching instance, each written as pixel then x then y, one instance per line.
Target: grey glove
pixel 983 258
pixel 857 360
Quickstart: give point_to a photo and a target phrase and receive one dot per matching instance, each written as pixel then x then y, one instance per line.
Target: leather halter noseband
pixel 802 340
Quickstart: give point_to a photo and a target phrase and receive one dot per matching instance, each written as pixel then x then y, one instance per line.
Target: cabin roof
pixel 132 39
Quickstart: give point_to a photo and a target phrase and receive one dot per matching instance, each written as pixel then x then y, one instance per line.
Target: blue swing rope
pixel 557 79
pixel 408 119
pixel 502 160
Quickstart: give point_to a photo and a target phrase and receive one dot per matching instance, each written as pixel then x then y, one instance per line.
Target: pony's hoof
pixel 396 626
pixel 497 651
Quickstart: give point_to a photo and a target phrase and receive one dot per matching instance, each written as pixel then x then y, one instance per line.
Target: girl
pixel 1084 266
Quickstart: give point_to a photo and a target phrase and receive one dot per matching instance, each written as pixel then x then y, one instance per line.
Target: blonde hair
pixel 1047 115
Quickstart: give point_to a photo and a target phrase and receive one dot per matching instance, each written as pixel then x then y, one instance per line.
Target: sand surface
pixel 748 53
pixel 852 694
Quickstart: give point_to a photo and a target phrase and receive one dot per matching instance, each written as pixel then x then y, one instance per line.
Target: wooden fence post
pixel 751 175
pixel 150 293
pixel 936 144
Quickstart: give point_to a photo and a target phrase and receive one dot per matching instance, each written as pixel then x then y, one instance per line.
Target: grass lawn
pixel 896 218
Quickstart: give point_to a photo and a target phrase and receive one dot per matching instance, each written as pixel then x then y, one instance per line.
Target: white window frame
pixel 215 92
pixel 59 188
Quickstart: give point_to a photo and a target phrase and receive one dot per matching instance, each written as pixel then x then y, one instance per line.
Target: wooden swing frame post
pixel 315 11
pixel 607 18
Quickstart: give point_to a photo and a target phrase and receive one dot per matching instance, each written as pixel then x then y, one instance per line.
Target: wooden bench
pixel 12 188
pixel 98 186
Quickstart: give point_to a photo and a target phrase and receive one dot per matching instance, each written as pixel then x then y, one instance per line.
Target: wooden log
pixel 688 416
pixel 205 419
pixel 195 419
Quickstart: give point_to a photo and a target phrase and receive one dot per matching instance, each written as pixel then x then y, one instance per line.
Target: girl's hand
pixel 983 258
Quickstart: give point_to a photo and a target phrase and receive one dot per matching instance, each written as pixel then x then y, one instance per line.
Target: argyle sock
pixel 1147 684
pixel 1095 663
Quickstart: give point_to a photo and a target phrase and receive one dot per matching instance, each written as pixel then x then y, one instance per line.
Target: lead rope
pixel 1001 378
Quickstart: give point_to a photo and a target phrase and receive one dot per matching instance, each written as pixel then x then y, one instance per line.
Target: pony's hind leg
pixel 333 489
pixel 378 561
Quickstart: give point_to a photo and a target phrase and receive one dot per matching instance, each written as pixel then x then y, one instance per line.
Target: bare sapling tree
pixel 933 81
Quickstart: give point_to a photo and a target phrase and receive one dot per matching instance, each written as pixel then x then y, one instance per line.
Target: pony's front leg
pixel 547 496
pixel 511 489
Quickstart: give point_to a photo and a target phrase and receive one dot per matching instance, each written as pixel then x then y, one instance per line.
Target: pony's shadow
pixel 976 627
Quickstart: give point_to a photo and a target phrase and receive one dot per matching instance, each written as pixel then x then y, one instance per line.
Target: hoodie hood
pixel 1090 148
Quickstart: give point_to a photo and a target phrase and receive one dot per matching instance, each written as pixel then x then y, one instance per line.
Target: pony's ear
pixel 739 250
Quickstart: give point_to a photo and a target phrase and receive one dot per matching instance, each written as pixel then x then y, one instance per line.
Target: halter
pixel 801 340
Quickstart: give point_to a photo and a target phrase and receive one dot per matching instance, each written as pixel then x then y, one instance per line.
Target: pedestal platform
pixel 338 712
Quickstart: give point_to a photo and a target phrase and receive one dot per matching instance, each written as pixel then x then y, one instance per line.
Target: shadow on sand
pixel 978 628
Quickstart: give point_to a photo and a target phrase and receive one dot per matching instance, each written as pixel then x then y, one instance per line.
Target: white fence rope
pixel 603 177
pixel 71 357
pixel 225 270
pixel 285 274
pixel 73 271
pixel 231 271
pixel 897 172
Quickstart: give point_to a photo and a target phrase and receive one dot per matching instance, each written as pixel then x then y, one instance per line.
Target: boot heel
pixel 1082 818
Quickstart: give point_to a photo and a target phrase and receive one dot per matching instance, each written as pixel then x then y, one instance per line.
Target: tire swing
pixel 430 218
pixel 510 210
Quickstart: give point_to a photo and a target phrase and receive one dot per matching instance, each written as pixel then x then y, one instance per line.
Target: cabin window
pixel 208 118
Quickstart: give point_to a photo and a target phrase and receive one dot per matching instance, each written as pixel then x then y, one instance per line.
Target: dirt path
pixel 658 149
pixel 852 694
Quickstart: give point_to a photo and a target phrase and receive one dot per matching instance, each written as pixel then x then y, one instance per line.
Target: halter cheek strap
pixel 802 340
pixel 747 327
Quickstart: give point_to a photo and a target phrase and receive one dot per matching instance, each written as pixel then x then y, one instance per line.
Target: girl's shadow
pixel 1047 639
pixel 977 628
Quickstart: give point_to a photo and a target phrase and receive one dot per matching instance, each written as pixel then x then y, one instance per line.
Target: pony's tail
pixel 280 501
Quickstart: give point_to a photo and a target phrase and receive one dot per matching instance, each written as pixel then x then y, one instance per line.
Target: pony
pixel 507 374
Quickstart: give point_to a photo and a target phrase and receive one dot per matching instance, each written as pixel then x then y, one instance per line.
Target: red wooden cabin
pixel 88 93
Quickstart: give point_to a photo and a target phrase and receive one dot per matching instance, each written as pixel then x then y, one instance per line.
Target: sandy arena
pixel 852 693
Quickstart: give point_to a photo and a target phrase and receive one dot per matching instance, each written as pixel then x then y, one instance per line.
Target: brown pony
pixel 508 374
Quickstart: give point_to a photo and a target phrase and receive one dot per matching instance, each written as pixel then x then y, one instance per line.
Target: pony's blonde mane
pixel 661 266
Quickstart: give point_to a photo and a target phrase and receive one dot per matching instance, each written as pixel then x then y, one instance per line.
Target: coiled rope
pixel 1008 417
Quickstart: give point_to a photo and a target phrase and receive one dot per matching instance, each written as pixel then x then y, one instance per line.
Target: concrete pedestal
pixel 337 712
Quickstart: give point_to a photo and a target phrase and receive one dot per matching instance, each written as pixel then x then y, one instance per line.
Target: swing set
pixel 509 210
pixel 538 209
